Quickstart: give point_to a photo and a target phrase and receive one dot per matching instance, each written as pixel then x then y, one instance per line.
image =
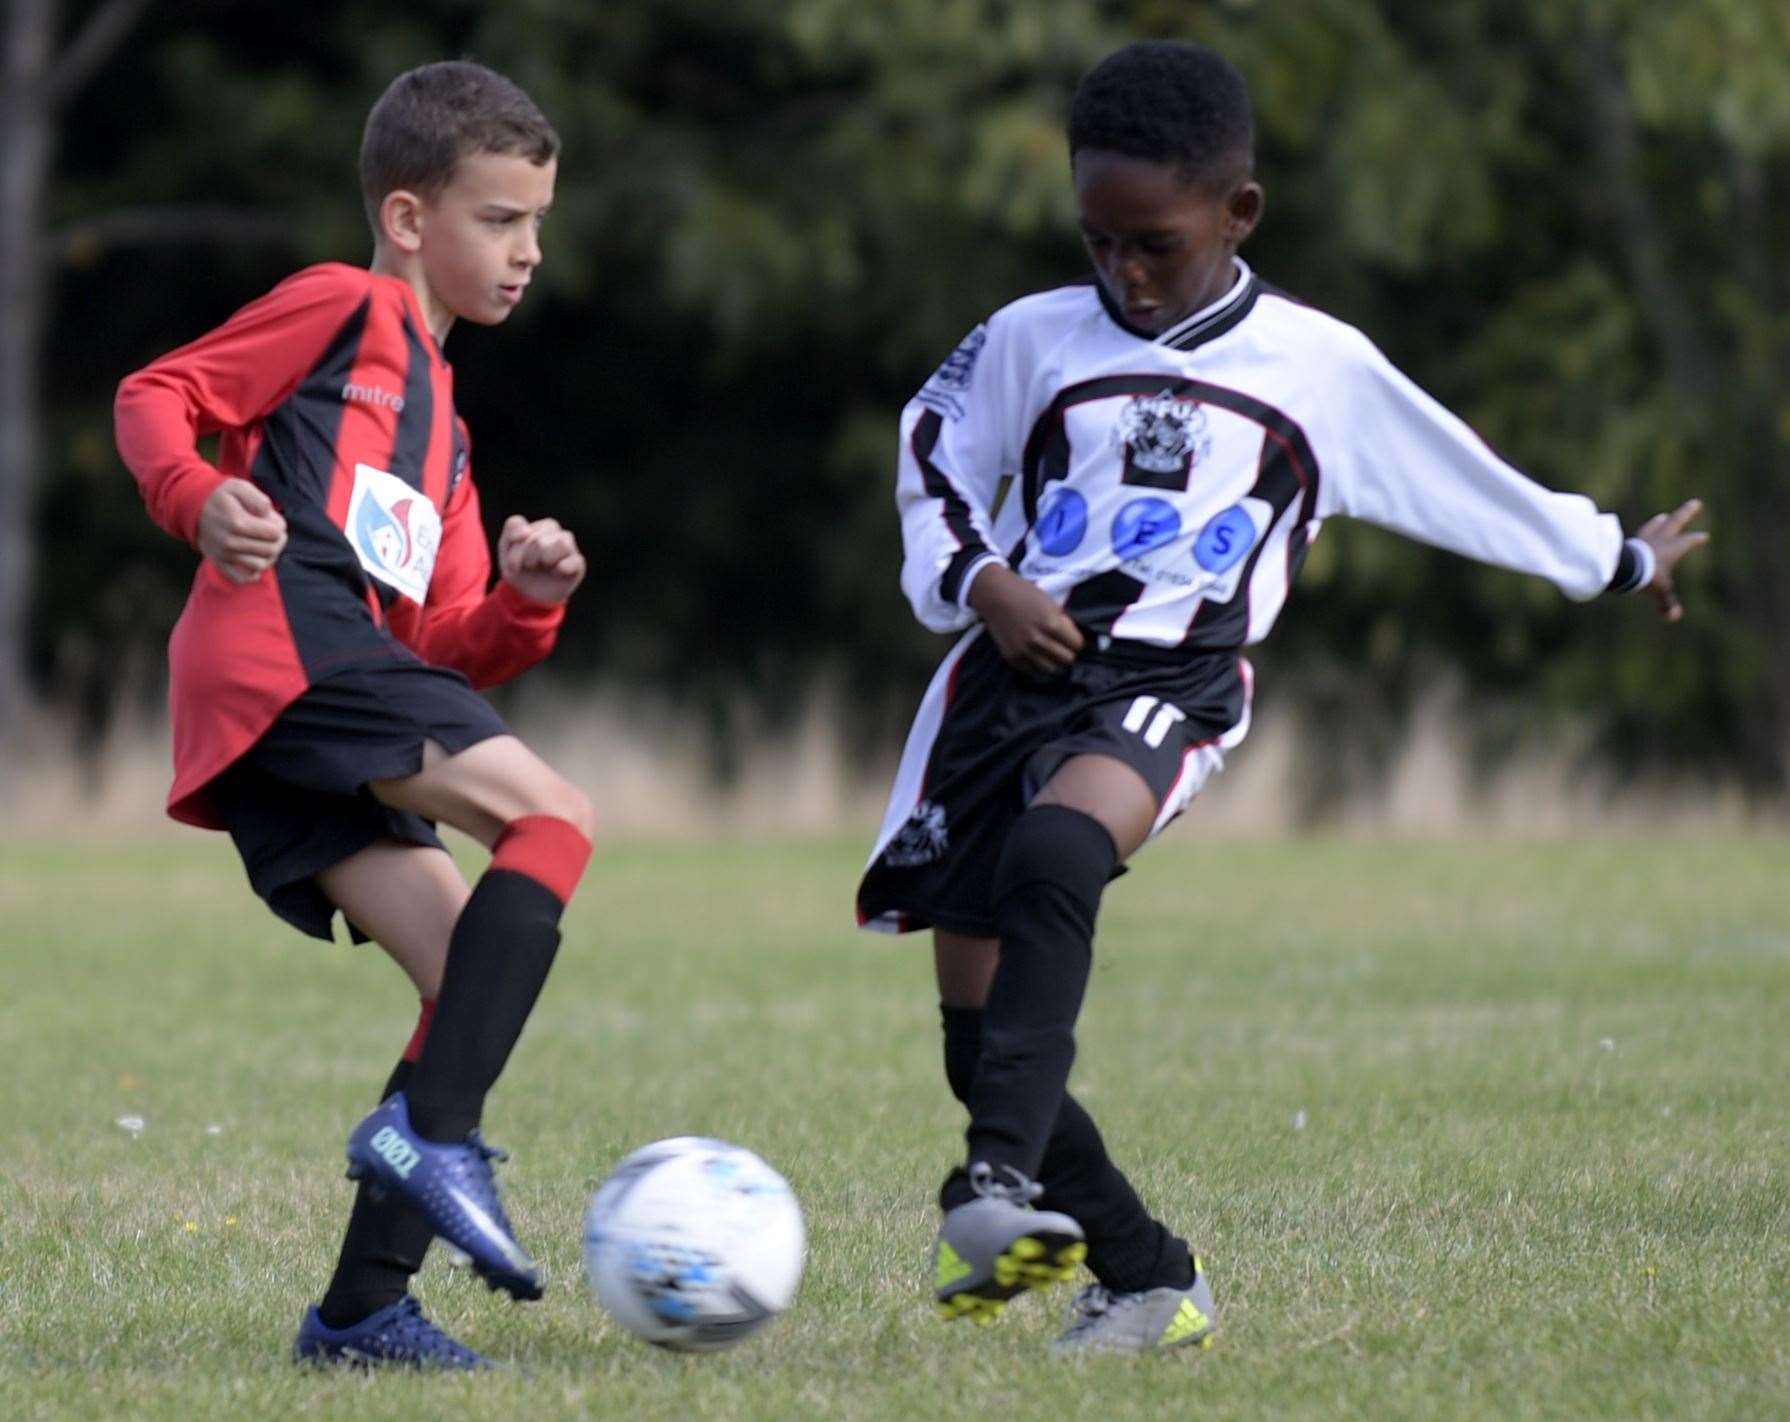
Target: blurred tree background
pixel 1568 220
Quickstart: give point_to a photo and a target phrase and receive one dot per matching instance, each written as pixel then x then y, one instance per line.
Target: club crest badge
pixel 1162 437
pixel 394 530
pixel 921 840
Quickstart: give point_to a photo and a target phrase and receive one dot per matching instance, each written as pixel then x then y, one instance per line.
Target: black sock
pixel 1047 888
pixel 502 947
pixel 1127 1248
pixel 384 1246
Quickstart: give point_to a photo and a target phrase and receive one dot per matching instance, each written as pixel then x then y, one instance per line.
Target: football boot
pixel 451 1184
pixel 398 1336
pixel 1142 1321
pixel 996 1246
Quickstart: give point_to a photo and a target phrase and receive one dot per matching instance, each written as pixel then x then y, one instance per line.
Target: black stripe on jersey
pixel 1096 603
pixel 297 458
pixel 461 456
pixel 299 443
pixel 957 509
pixel 416 426
pixel 416 421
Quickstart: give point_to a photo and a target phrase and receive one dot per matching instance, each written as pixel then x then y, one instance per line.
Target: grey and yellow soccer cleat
pixel 996 1246
pixel 1101 1321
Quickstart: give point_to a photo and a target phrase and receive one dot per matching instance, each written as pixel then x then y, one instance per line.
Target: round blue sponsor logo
pixel 1144 524
pixel 1225 539
pixel 1062 523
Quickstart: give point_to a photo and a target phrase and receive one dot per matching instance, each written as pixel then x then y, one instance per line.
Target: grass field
pixel 1462 1130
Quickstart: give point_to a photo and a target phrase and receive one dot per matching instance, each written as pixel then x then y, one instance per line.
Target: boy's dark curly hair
pixel 1168 103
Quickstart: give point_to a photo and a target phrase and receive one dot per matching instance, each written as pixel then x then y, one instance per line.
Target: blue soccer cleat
pixel 398 1336
pixel 451 1184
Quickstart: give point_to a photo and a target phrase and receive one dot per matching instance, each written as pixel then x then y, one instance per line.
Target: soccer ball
pixel 694 1244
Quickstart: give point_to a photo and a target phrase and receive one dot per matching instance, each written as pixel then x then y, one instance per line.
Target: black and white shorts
pixel 297 801
pixel 987 739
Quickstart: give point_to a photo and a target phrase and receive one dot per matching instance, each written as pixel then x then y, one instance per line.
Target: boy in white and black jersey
pixel 1175 433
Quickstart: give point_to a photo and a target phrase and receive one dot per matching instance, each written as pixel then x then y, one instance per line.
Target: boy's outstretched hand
pixel 539 559
pixel 1032 632
pixel 1665 535
pixel 240 530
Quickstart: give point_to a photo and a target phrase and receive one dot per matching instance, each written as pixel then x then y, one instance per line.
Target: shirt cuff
pixel 187 498
pixel 969 576
pixel 1635 567
pixel 523 610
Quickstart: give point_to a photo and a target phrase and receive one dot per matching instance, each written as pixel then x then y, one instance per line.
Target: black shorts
pixel 986 740
pixel 297 801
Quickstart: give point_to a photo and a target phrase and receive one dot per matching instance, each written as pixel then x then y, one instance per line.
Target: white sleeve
pixel 1400 459
pixel 955 445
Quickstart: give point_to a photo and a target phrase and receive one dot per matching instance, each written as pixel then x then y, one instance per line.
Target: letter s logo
pixel 1225 539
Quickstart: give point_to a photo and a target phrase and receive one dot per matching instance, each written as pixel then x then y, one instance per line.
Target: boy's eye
pixel 1160 246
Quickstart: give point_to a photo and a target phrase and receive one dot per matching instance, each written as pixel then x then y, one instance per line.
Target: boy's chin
pixel 486 315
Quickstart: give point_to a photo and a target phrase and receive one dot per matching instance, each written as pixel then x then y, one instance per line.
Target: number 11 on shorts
pixel 1157 713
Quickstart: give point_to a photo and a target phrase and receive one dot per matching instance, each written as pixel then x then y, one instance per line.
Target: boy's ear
pixel 401 219
pixel 1242 210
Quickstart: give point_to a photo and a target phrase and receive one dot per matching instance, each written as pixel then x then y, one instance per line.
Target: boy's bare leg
pixel 487 787
pixel 406 898
pixel 1107 791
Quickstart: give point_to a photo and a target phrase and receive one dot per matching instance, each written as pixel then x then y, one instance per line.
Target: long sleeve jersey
pixel 331 396
pixel 1165 489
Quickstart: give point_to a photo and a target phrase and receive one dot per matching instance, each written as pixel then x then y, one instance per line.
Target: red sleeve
pixel 488 637
pixel 225 380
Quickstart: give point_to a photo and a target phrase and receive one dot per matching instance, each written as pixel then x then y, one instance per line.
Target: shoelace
pixel 1096 1301
pixel 412 1329
pixel 486 1152
pixel 1020 1191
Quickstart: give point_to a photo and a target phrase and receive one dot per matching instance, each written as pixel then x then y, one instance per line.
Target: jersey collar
pixel 1206 324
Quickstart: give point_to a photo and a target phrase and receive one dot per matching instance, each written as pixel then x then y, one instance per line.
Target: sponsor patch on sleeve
pixel 951 381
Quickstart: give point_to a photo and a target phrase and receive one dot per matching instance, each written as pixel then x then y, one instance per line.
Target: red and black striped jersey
pixel 332 397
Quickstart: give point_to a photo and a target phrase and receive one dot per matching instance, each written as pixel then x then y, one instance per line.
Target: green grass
pixel 1462 1130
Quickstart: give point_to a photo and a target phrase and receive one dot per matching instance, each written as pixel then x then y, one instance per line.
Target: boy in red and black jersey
pixel 323 671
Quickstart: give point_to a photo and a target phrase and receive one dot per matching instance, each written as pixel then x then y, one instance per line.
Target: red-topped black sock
pixel 502 948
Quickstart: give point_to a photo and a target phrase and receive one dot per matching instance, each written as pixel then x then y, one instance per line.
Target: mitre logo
pixel 372 395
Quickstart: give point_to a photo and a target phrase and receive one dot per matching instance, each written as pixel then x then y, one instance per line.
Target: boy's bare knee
pixel 572 805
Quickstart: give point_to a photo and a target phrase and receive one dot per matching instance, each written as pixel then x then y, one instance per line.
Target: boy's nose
pixel 1130 272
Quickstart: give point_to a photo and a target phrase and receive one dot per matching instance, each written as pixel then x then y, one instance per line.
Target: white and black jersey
pixel 1166 489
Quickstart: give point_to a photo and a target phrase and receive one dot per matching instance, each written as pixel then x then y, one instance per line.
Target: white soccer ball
pixel 694 1244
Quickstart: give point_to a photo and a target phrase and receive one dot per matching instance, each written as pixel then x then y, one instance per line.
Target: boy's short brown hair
pixel 431 117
